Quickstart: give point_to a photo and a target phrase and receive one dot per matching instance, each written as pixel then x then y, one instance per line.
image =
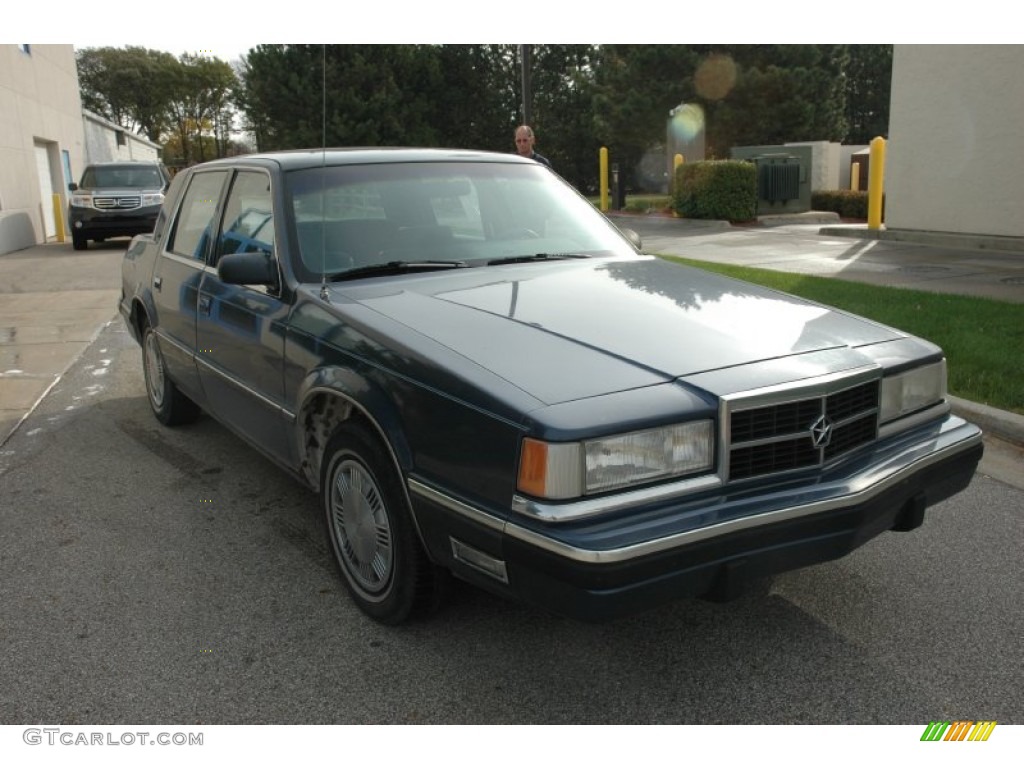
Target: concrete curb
pixel 788 219
pixel 999 244
pixel 1005 425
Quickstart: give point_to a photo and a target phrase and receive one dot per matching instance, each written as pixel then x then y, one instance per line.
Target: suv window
pixel 192 231
pixel 123 176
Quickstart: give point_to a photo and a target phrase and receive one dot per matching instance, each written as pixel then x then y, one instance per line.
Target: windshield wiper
pixel 538 257
pixel 395 268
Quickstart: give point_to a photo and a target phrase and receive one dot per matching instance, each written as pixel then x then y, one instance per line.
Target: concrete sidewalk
pixel 53 303
pixel 815 244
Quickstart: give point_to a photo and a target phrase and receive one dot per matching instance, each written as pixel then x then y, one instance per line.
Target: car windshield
pixel 120 176
pixel 357 216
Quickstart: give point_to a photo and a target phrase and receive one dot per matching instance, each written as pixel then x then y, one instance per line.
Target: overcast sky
pixel 229 30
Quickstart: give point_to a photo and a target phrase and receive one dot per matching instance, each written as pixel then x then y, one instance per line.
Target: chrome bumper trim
pixel 909 422
pixel 574 510
pixel 856 490
pixel 454 505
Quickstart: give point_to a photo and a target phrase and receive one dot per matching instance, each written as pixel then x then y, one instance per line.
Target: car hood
pixel 571 329
pixel 118 191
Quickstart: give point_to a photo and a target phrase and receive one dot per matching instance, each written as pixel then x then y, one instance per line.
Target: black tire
pixel 78 241
pixel 370 530
pixel 169 405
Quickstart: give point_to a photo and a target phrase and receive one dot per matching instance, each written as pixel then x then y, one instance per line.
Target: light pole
pixel 524 64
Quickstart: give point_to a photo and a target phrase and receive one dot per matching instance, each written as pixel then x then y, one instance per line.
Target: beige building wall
pixel 107 142
pixel 954 161
pixel 40 119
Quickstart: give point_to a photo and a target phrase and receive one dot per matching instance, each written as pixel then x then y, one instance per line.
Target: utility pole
pixel 524 63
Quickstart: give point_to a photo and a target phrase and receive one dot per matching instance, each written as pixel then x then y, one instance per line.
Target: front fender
pixel 361 396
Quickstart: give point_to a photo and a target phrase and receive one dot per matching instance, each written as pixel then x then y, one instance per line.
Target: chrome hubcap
pixel 361 527
pixel 155 371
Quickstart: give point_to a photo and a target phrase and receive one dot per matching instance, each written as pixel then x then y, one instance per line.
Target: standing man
pixel 524 145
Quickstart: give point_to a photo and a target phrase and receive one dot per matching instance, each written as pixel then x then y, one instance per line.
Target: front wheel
pixel 79 241
pixel 169 405
pixel 370 530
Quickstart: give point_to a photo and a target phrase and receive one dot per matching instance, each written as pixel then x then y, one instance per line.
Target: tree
pixel 563 88
pixel 203 91
pixel 311 95
pixel 635 86
pixel 132 87
pixel 869 84
pixel 188 102
pixel 377 95
pixel 782 93
pixel 474 99
pixel 749 95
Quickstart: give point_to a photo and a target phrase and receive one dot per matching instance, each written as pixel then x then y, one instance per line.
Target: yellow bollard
pixel 855 177
pixel 876 182
pixel 604 178
pixel 676 162
pixel 58 217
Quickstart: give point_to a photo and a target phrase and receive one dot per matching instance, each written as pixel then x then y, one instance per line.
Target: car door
pixel 240 350
pixel 177 276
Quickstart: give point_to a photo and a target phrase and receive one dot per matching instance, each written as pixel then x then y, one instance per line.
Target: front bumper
pixel 91 223
pixel 710 544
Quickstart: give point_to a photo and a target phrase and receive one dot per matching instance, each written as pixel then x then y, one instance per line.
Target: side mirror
pixel 72 186
pixel 633 237
pixel 252 268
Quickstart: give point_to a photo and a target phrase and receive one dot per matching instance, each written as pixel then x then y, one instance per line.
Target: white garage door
pixel 45 190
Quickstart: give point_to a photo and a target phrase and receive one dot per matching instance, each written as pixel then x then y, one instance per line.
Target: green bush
pixel 847 203
pixel 716 189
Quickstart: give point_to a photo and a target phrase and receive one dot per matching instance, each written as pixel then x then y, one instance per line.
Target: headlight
pixel 570 470
pixel 913 390
pixel 156 199
pixel 81 201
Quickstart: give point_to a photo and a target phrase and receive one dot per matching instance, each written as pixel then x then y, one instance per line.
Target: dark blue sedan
pixel 482 377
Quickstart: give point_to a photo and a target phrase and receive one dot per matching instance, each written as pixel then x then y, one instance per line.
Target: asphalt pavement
pixel 175 576
pixel 55 301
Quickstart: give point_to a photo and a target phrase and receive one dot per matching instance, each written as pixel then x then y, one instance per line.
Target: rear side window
pixel 195 225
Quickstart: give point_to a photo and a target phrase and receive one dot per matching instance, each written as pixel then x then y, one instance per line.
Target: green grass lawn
pixel 983 339
pixel 639 203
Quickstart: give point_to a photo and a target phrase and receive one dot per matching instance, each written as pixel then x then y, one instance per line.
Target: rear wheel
pixel 169 405
pixel 370 530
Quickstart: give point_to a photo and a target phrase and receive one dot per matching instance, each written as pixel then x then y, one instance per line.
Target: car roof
pixel 297 159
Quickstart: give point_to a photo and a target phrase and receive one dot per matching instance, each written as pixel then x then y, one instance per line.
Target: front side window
pixel 248 216
pixel 195 224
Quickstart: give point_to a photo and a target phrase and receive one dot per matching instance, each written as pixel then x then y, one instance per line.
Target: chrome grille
pixel 117 203
pixel 798 434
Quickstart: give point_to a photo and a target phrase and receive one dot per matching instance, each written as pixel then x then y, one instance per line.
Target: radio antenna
pixel 324 295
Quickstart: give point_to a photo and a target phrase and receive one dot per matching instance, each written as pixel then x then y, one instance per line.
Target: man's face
pixel 524 143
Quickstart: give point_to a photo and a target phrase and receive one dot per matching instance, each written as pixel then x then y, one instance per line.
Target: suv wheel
pixel 78 241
